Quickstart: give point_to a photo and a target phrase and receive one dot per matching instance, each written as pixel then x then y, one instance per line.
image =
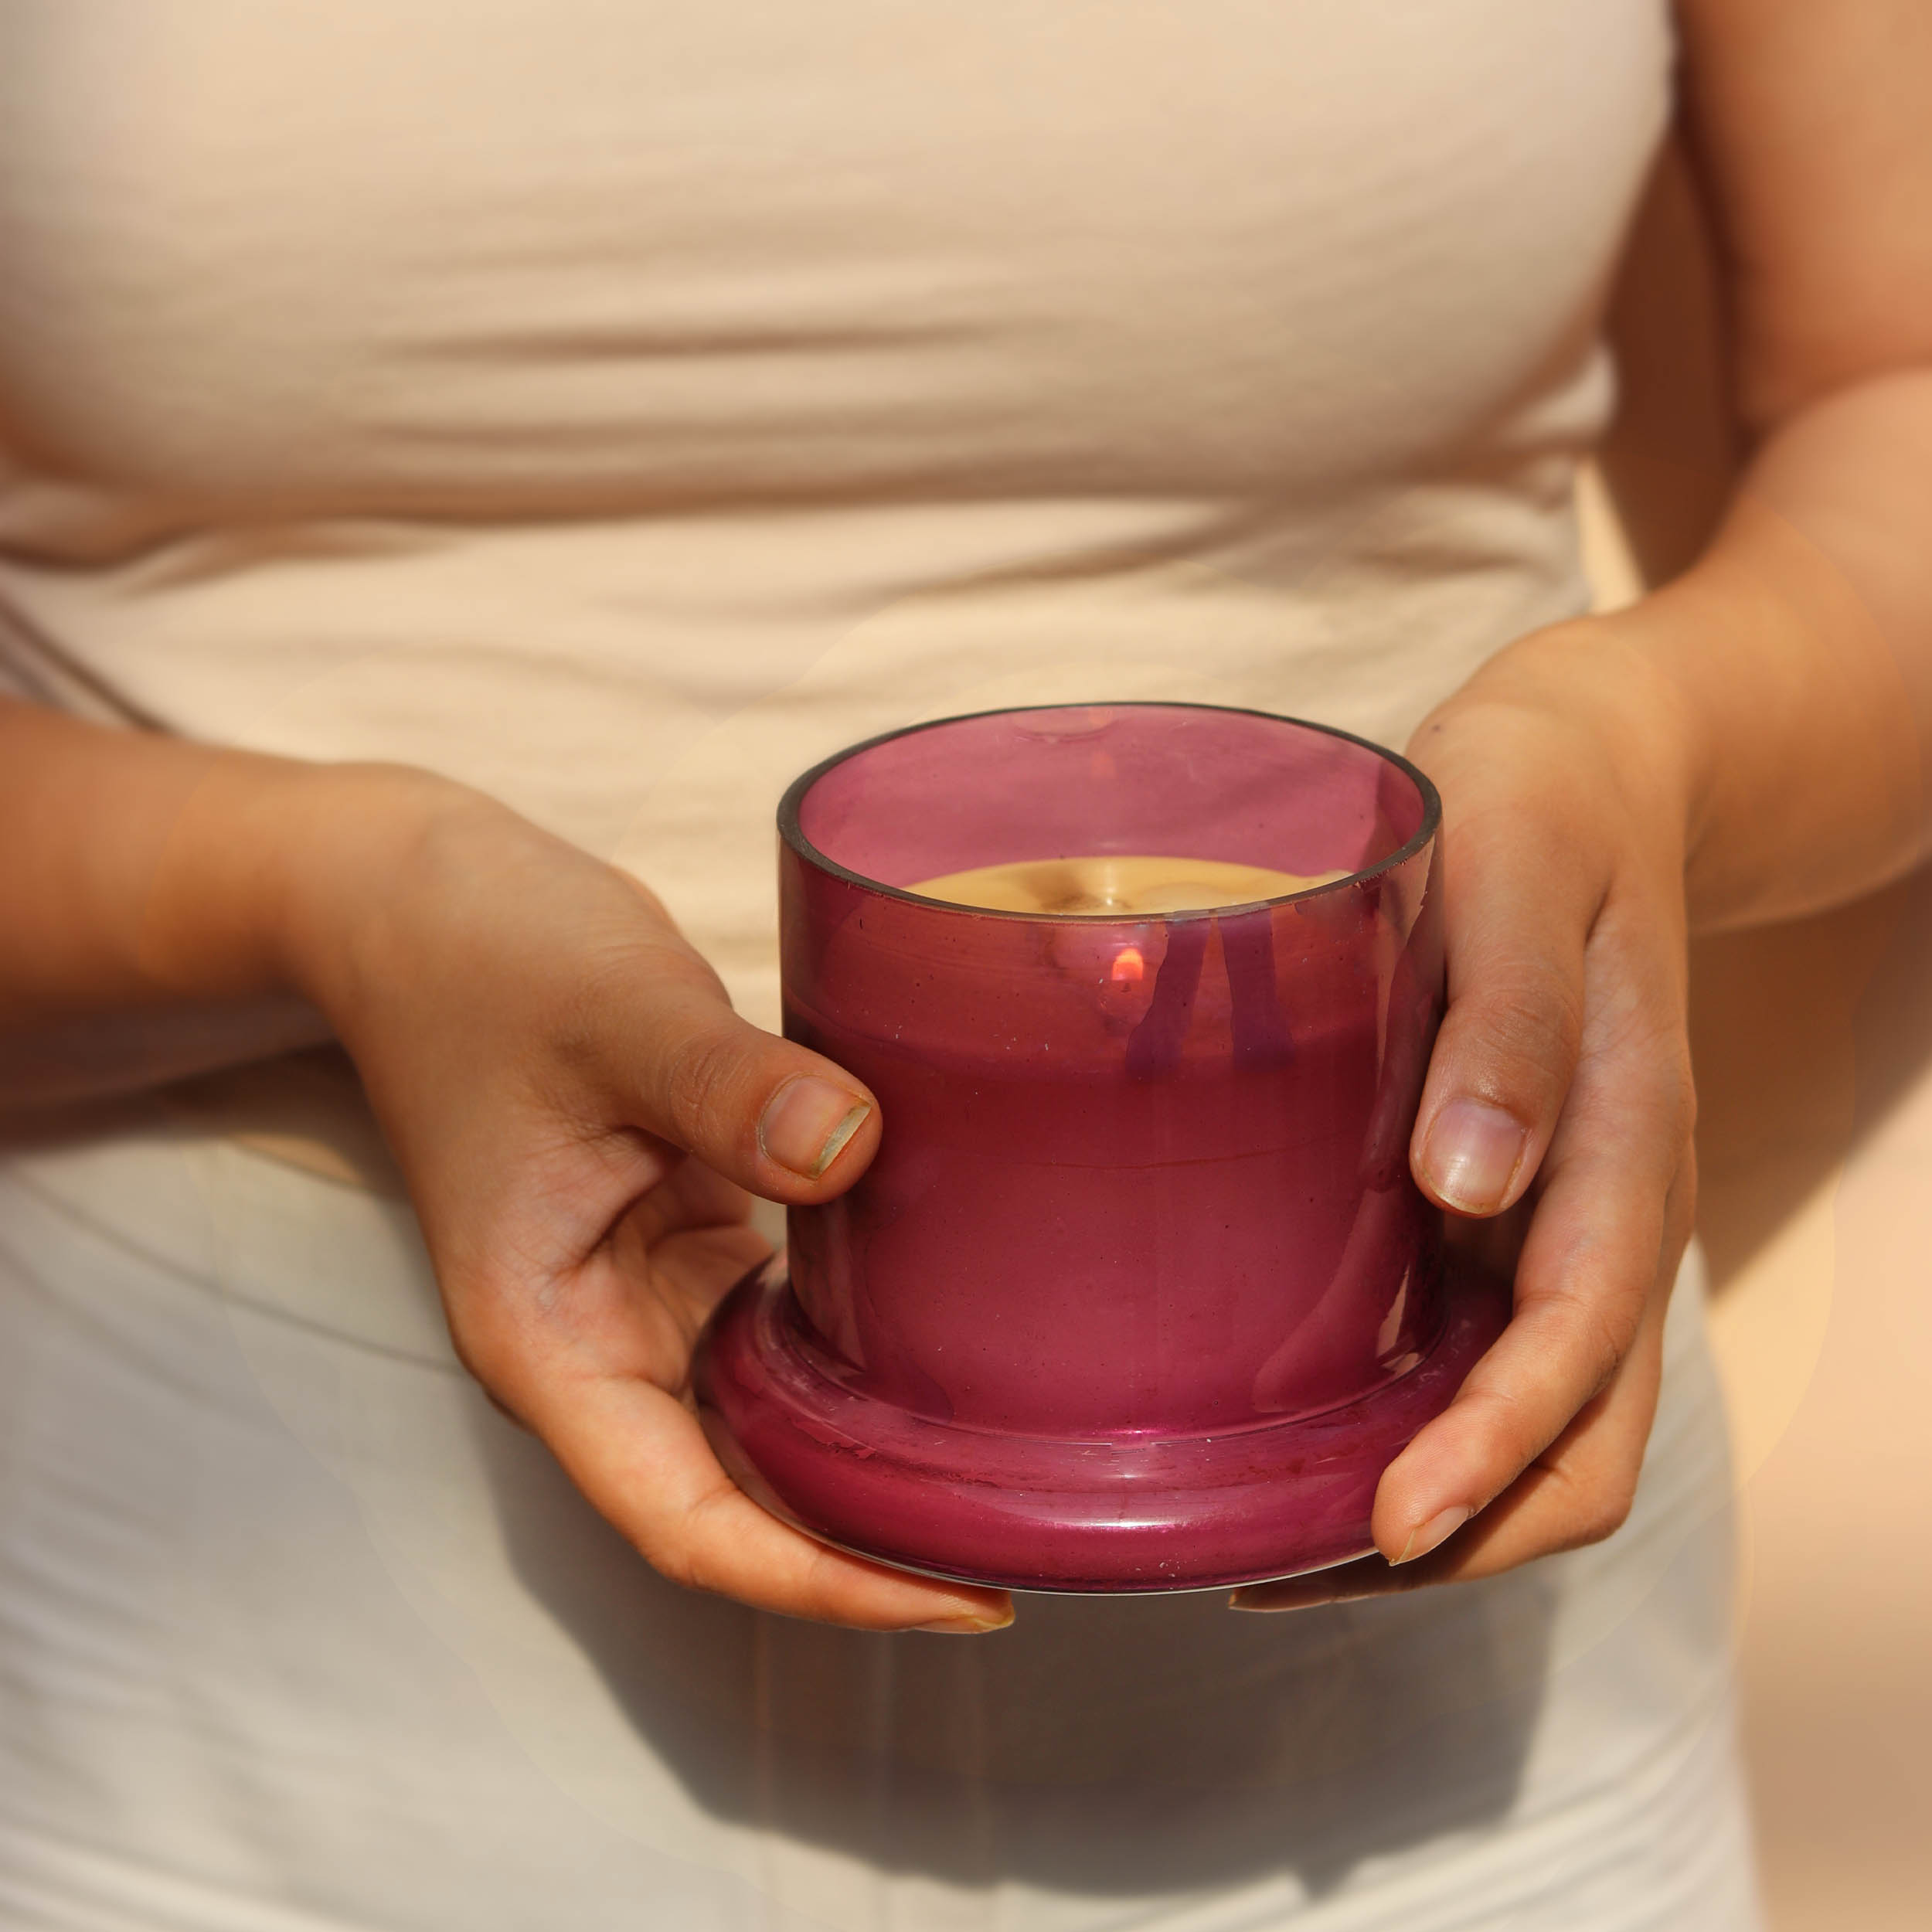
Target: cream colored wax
pixel 1112 885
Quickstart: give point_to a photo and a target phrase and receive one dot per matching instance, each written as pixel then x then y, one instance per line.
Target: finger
pixel 1519 909
pixel 690 1196
pixel 640 1458
pixel 1577 1491
pixel 633 1307
pixel 1611 1215
pixel 600 1372
pixel 692 1271
pixel 767 1113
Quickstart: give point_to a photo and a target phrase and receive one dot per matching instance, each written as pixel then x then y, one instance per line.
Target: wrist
pixel 1600 693
pixel 344 849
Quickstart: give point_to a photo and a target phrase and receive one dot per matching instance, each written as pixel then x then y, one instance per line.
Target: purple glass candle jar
pixel 1139 1293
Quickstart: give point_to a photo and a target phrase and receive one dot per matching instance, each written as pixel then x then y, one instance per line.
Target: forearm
pixel 1801 644
pixel 133 872
pixel 1779 693
pixel 146 886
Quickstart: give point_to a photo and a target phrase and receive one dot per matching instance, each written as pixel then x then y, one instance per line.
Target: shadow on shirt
pixel 1104 1747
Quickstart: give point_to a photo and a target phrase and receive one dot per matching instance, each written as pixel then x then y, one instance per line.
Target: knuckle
pixel 503 1408
pixel 507 1331
pixel 700 1079
pixel 485 1343
pixel 603 986
pixel 1651 1053
pixel 1597 1501
pixel 494 1362
pixel 1502 1415
pixel 479 1355
pixel 1605 1511
pixel 1599 1330
pixel 594 1017
pixel 688 1555
pixel 676 1563
pixel 1531 1027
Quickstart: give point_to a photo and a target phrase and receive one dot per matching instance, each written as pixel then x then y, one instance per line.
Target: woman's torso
pixel 619 406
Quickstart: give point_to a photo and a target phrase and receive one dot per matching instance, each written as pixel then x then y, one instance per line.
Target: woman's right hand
pixel 579 1115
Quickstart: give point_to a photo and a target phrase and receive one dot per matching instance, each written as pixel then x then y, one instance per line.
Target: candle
pixel 1137 1292
pixel 1111 884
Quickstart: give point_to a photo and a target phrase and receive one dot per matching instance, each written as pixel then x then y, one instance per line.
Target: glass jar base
pixel 1127 1513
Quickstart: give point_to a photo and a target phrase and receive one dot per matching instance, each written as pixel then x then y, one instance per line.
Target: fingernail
pixel 806 1123
pixel 1437 1530
pixel 974 1623
pixel 1472 1154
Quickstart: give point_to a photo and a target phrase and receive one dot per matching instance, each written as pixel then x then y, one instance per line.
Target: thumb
pixel 772 1116
pixel 1516 921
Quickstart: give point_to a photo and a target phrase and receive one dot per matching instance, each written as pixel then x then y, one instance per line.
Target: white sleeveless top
pixel 619 406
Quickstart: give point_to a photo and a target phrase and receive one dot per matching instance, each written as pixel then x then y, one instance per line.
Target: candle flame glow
pixel 1128 966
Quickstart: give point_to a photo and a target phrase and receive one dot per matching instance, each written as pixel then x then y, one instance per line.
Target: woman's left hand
pixel 1561 1081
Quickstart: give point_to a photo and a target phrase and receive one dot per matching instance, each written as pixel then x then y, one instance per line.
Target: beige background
pixel 1825 1334
pixel 1815 1147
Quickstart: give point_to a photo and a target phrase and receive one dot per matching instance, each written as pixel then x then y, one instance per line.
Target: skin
pixel 578 1113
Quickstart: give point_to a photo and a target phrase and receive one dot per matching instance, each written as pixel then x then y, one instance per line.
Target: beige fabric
pixel 299 1632
pixel 618 407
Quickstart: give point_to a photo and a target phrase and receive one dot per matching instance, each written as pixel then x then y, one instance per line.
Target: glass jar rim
pixel 791 830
